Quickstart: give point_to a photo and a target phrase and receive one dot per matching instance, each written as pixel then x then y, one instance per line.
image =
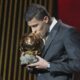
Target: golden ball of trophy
pixel 30 46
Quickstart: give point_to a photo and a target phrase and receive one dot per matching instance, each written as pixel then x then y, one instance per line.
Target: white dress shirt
pixel 54 21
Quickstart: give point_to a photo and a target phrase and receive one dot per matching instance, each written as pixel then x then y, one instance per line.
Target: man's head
pixel 38 19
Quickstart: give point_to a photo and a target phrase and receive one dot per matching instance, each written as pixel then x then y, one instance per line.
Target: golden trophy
pixel 30 46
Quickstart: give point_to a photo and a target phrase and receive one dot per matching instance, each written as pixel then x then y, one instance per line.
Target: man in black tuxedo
pixel 61 55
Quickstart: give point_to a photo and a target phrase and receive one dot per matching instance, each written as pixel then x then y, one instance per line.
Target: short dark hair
pixel 37 11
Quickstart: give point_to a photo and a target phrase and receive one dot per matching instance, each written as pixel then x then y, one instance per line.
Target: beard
pixel 45 31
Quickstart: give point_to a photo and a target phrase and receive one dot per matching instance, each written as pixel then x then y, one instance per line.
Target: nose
pixel 34 30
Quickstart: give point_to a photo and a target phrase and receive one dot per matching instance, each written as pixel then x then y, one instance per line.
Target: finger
pixel 37 67
pixel 32 64
pixel 38 57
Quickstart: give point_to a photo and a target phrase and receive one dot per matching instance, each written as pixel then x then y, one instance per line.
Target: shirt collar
pixel 54 21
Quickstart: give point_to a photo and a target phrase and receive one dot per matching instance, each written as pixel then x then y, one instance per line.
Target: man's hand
pixel 41 64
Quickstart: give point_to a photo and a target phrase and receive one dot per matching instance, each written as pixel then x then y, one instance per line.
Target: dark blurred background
pixel 12 27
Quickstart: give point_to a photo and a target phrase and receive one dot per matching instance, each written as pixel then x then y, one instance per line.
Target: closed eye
pixel 34 25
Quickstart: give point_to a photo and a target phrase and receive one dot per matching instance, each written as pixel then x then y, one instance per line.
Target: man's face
pixel 38 26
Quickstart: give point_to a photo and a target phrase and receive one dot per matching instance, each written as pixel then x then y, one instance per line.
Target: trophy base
pixel 28 59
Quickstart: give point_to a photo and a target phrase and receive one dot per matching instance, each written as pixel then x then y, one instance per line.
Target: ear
pixel 46 19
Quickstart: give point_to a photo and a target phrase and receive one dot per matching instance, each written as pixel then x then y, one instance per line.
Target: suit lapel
pixel 51 37
pixel 49 40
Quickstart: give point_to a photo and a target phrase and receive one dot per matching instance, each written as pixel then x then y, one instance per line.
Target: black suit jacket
pixel 62 50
